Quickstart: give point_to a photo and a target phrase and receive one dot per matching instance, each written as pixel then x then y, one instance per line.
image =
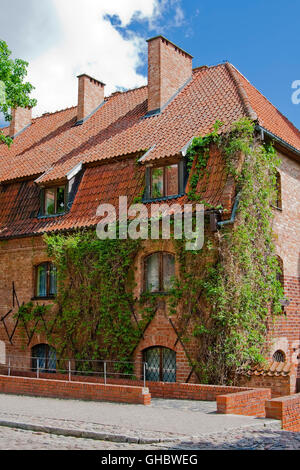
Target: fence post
pixel 70 372
pixel 104 373
pixel 38 369
pixel 9 367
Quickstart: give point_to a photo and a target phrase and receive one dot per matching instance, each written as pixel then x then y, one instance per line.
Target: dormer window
pixel 165 181
pixel 54 200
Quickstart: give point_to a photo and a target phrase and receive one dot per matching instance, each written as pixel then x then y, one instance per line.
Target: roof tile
pixel 53 145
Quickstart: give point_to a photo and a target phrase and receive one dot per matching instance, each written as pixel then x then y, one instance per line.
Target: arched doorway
pixel 161 364
pixel 44 357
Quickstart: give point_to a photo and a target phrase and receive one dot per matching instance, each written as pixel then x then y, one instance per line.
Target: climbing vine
pixel 197 158
pixel 229 289
pixel 224 294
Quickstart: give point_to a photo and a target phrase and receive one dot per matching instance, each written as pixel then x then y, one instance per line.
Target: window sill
pixel 156 293
pixel 51 297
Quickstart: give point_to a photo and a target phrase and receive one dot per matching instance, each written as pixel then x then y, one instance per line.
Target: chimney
pixel 90 96
pixel 169 68
pixel 21 118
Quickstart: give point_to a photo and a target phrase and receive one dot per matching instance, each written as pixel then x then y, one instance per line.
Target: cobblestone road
pixel 44 423
pixel 245 439
pixel 16 439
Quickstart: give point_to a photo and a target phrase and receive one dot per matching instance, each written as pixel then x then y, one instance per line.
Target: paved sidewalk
pixel 165 425
pixel 164 420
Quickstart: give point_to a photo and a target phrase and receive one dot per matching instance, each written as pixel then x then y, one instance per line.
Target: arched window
pixel 278 201
pixel 280 276
pixel 279 356
pixel 43 357
pixel 46 283
pixel 161 364
pixel 159 272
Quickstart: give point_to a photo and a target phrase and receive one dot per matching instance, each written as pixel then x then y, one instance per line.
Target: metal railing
pixel 108 371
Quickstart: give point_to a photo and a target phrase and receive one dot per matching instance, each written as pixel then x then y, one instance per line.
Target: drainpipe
pixel 233 214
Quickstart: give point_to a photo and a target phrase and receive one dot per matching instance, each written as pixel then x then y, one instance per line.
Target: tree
pixel 14 90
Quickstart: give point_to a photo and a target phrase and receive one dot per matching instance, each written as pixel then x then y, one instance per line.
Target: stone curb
pixel 84 434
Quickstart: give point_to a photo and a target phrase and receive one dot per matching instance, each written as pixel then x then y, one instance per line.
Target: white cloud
pixel 90 44
pixel 179 16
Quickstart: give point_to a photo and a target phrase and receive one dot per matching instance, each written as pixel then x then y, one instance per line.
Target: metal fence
pixel 108 371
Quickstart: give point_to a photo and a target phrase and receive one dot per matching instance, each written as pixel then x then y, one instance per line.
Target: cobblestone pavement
pixel 42 423
pixel 17 439
pixel 244 439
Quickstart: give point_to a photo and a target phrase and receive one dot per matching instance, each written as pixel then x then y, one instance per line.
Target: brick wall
pixel 18 259
pixel 168 69
pixel 183 391
pixel 230 400
pixel 280 385
pixel 90 95
pixel 287 409
pixel 157 389
pixel 19 256
pixel 284 334
pixel 248 403
pixel 21 117
pixel 74 390
pixel 162 331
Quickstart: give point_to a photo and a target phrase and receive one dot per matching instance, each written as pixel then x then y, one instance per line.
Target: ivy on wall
pixel 230 292
pixel 224 294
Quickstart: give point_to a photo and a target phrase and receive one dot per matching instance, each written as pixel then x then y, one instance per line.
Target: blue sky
pixel 261 38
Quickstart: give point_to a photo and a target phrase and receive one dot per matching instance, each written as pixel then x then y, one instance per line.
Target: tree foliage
pixel 15 91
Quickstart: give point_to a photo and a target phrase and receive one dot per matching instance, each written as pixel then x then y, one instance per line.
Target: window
pixel 159 272
pixel 164 182
pixel 278 201
pixel 46 284
pixel 54 202
pixel 43 357
pixel 161 364
pixel 279 356
pixel 280 276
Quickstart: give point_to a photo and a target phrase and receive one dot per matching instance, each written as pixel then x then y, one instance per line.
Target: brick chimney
pixel 169 68
pixel 21 118
pixel 90 96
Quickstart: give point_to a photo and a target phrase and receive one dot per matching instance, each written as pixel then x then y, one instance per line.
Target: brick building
pixel 62 165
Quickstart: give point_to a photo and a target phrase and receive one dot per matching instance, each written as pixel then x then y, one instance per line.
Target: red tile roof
pixel 272 369
pixel 104 184
pixel 268 116
pixel 53 145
